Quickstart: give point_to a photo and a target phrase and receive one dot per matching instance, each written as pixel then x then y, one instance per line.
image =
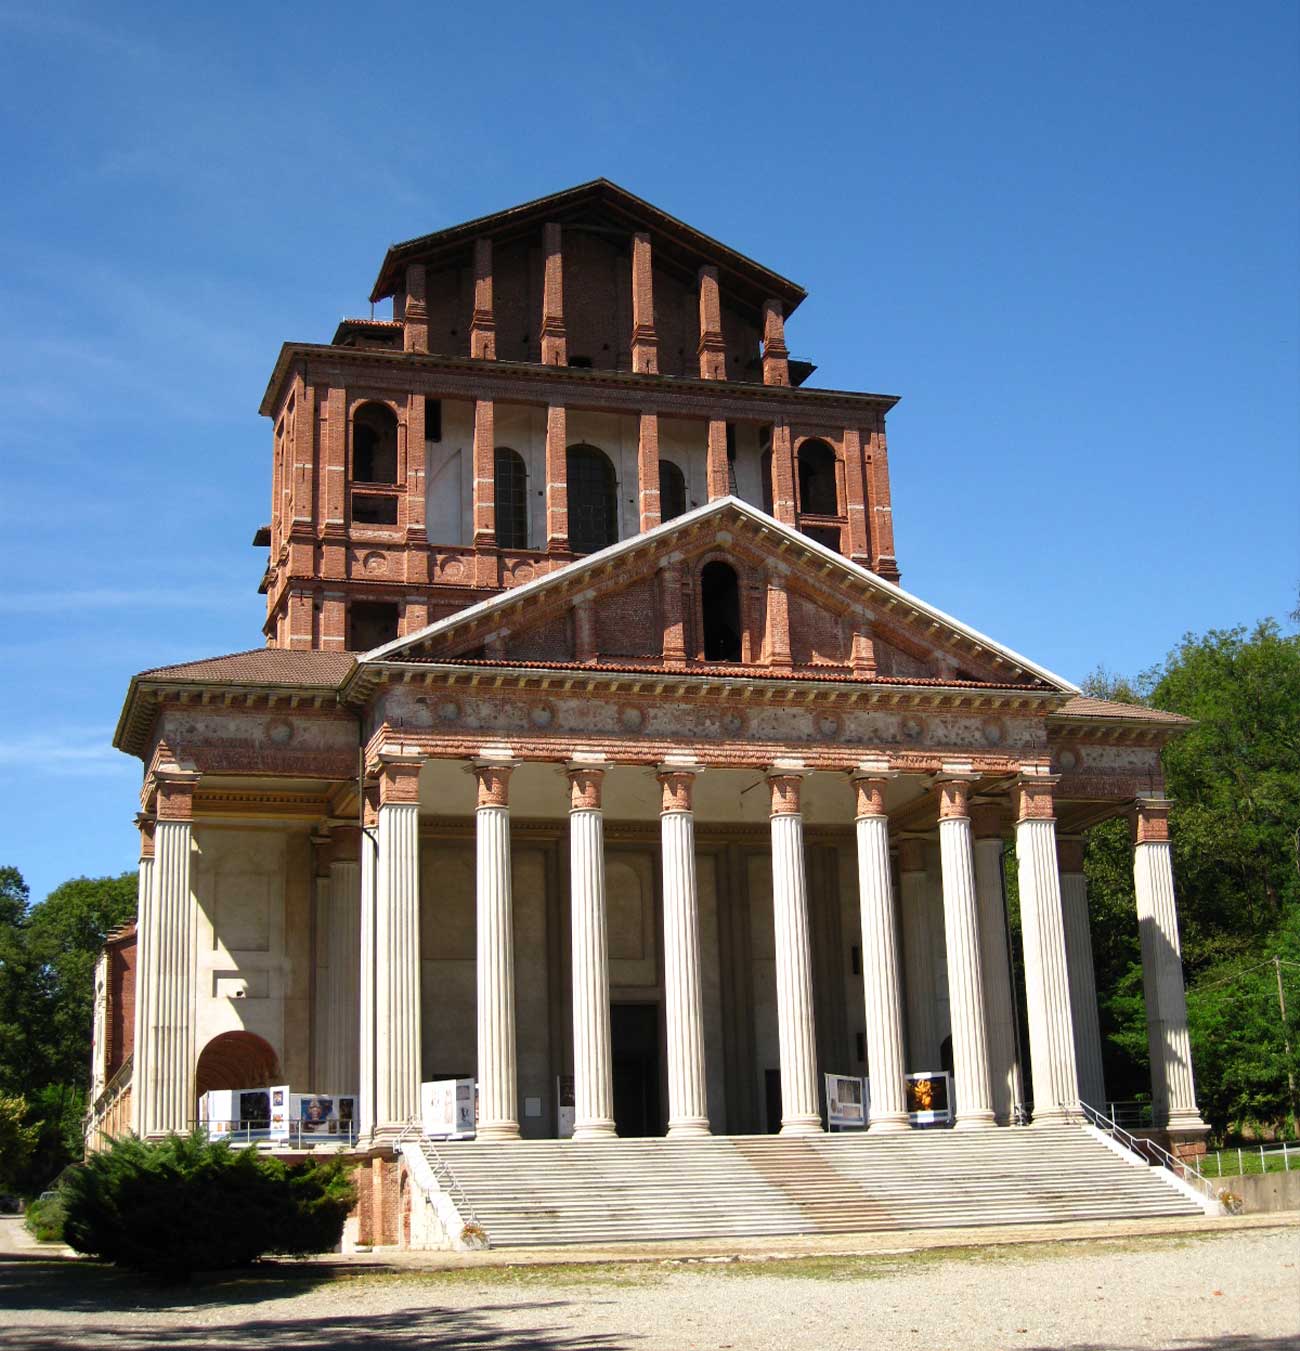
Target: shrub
pixel 191 1204
pixel 45 1218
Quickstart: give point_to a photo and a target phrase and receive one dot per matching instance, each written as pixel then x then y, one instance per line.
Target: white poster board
pixel 564 1100
pixel 448 1109
pixel 217 1112
pixel 280 1112
pixel 929 1098
pixel 846 1107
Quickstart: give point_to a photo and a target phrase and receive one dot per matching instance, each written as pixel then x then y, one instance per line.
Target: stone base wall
pixel 377 1207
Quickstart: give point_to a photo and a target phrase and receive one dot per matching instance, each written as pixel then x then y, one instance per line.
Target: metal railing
pixel 295 1135
pixel 1152 1152
pixel 446 1180
pixel 1286 1150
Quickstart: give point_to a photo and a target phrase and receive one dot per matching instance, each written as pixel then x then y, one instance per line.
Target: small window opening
pixel 765 468
pixel 371 509
pixel 371 624
pixel 511 499
pixel 580 363
pixel 433 419
pixel 720 610
pixel 817 493
pixel 374 444
pixel 672 491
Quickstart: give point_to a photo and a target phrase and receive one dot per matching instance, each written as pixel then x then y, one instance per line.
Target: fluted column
pixel 970 1054
pixel 343 1012
pixel 999 1004
pixel 397 944
pixel 145 927
pixel 498 1070
pixel 1083 979
pixel 167 1048
pixel 1047 983
pixel 918 955
pixel 1173 1089
pixel 688 1103
pixel 880 953
pixel 593 1075
pixel 800 1104
pixel 367 983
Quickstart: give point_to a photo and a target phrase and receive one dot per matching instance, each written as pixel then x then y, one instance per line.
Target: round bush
pixel 190 1204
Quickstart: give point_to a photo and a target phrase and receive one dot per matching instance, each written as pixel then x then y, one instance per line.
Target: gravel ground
pixel 1194 1292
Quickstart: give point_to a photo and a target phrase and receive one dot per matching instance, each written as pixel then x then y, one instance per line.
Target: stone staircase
pixel 544 1192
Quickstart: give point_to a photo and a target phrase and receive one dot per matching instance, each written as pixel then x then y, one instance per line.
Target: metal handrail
pixel 447 1181
pixel 256 1131
pixel 1144 1148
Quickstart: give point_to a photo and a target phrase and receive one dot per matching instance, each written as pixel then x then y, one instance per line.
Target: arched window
pixel 672 491
pixel 511 499
pixel 374 444
pixel 817 494
pixel 720 610
pixel 593 501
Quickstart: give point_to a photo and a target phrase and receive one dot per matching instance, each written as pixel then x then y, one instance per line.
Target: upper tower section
pixel 555 378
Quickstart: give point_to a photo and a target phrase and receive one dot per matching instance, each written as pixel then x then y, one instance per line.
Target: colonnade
pixel 1064 1044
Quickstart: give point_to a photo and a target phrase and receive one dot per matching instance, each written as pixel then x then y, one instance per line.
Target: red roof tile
pixel 262 666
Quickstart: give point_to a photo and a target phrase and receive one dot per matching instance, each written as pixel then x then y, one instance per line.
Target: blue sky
pixel 1066 235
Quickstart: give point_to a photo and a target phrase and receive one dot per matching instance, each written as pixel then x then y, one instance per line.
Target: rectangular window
pixel 371 509
pixel 433 419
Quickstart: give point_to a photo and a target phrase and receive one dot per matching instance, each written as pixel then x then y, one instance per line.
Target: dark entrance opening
pixel 635 1029
pixel 772 1099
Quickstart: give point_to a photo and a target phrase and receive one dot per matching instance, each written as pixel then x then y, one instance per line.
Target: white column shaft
pixel 1083 989
pixel 1047 984
pixel 1173 1088
pixel 918 953
pixel 343 1015
pixel 321 1081
pixel 397 968
pixel 800 1107
pixel 688 1106
pixel 999 1007
pixel 885 1058
pixel 169 1031
pixel 497 1066
pixel 367 1048
pixel 970 1055
pixel 142 1070
pixel 593 1075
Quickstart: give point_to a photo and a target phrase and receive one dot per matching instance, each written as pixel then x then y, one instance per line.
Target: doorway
pixel 635 1036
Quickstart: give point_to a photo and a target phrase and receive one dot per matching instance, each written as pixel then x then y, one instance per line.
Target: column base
pixel 689 1128
pixel 975 1121
pixel 1056 1116
pixel 497 1130
pixel 802 1125
pixel 885 1125
pixel 1186 1124
pixel 601 1129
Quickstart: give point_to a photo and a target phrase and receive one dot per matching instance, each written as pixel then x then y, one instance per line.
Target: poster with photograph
pixel 929 1098
pixel 314 1114
pixel 448 1108
pixel 348 1111
pixel 254 1117
pixel 565 1106
pixel 845 1102
pixel 279 1124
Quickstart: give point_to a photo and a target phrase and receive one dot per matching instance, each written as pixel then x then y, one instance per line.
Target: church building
pixel 594 744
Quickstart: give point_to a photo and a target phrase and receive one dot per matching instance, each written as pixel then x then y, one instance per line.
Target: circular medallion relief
pixel 912 728
pixel 994 731
pixel 541 715
pixel 522 572
pixel 279 731
pixel 449 710
pixel 631 718
pixel 1068 758
pixel 826 725
pixel 374 562
pixel 451 569
pixel 733 723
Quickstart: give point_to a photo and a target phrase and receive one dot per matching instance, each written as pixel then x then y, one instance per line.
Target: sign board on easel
pixel 565 1111
pixel 845 1102
pixel 447 1109
pixel 929 1098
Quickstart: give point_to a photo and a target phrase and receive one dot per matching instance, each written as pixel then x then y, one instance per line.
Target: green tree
pixel 17 1141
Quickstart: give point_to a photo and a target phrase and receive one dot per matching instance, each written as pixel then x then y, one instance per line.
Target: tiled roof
pixel 1084 706
pixel 262 666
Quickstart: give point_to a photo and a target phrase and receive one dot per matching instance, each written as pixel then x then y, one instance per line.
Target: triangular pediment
pixel 804 612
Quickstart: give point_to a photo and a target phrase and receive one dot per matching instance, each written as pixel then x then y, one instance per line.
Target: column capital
pixel 678 784
pixel 1151 820
pixel 399 774
pixel 954 783
pixel 492 775
pixel 586 779
pixel 869 780
pixel 145 824
pixel 988 819
pixel 785 780
pixel 1032 796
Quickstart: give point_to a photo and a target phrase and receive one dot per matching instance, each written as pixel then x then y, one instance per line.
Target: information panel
pixel 448 1109
pixel 846 1107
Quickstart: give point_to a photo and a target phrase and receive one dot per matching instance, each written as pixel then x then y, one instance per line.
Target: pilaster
pixel 649 502
pixel 776 356
pixel 415 315
pixel 557 479
pixel 717 469
pixel 645 341
pixel 482 325
pixel 553 333
pixel 783 506
pixel 485 529
pixel 712 348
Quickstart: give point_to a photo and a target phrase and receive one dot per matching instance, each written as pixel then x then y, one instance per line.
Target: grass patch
pixel 1247 1162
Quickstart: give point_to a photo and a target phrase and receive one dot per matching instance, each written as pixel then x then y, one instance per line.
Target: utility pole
pixel 1286 1042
